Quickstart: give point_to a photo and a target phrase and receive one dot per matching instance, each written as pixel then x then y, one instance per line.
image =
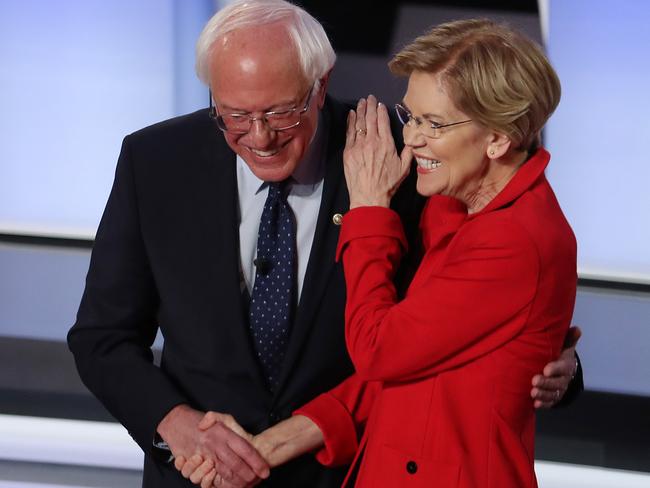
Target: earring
pixel 491 152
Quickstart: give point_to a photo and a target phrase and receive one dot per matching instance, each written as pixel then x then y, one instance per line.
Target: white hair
pixel 314 50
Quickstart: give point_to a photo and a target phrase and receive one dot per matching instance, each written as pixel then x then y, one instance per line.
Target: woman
pixel 494 294
pixel 442 376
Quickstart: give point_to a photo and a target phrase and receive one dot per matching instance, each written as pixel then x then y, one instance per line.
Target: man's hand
pixel 203 471
pixel 231 454
pixel 198 470
pixel 550 387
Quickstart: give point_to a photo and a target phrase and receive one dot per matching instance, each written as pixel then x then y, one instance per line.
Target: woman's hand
pixel 373 169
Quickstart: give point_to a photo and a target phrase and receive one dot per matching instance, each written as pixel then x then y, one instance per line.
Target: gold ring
pixel 361 131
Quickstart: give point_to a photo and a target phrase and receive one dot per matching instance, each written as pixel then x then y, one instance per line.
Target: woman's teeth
pixel 428 163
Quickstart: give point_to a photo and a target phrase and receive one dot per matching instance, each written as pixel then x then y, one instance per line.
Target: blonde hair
pixel 312 45
pixel 495 75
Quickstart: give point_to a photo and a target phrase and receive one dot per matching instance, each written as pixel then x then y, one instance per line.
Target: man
pixel 178 248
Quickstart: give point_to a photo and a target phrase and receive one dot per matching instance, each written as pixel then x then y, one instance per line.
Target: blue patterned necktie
pixel 271 305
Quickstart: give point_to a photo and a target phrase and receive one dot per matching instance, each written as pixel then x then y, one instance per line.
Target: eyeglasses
pixel 424 127
pixel 240 123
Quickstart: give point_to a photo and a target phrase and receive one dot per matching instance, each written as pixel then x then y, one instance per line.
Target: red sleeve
pixel 341 414
pixel 476 299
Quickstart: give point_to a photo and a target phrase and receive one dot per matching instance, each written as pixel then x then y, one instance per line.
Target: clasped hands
pixel 229 471
pixel 213 449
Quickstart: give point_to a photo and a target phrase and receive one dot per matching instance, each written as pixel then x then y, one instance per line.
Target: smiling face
pixel 256 70
pixel 456 163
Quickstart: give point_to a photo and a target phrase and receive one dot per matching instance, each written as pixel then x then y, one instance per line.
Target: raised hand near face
pixel 373 169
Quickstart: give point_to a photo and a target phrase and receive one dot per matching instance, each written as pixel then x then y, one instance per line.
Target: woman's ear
pixel 498 145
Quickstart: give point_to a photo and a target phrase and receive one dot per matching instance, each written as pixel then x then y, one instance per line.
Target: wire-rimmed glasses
pixel 277 120
pixel 425 127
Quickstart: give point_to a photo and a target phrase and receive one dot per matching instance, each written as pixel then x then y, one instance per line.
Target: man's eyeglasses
pixel 240 123
pixel 425 127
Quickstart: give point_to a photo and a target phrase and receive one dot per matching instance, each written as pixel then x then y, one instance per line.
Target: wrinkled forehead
pixel 255 76
pixel 264 49
pixel 428 93
pixel 256 60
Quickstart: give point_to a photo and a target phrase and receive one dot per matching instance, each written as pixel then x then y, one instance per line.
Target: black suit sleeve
pixel 116 323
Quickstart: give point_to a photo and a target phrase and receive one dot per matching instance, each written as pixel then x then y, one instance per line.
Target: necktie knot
pixel 278 190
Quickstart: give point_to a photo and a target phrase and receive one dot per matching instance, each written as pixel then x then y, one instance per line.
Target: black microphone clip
pixel 263 265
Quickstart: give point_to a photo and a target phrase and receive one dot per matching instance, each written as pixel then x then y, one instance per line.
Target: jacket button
pixel 411 467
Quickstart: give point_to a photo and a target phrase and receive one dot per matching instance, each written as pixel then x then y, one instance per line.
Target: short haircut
pixel 312 45
pixel 494 74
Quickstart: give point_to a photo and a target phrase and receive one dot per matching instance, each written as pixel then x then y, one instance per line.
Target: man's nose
pixel 260 133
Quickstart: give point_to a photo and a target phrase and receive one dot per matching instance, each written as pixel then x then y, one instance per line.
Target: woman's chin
pixel 428 188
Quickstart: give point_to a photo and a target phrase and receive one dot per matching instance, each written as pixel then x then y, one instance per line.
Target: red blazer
pixel 443 376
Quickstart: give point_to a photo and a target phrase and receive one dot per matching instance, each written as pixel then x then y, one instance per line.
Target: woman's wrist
pixel 369 202
pixel 288 439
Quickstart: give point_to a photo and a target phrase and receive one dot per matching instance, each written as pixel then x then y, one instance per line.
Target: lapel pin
pixel 337 218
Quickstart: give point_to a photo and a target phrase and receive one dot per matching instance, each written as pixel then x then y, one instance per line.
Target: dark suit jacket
pixel 166 255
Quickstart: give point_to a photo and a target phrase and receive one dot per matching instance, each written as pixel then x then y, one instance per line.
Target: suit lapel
pixel 222 246
pixel 321 258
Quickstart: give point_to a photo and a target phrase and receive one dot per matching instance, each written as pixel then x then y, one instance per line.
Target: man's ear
pixel 322 89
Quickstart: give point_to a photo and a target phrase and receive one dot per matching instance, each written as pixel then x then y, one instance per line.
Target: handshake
pixel 212 449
